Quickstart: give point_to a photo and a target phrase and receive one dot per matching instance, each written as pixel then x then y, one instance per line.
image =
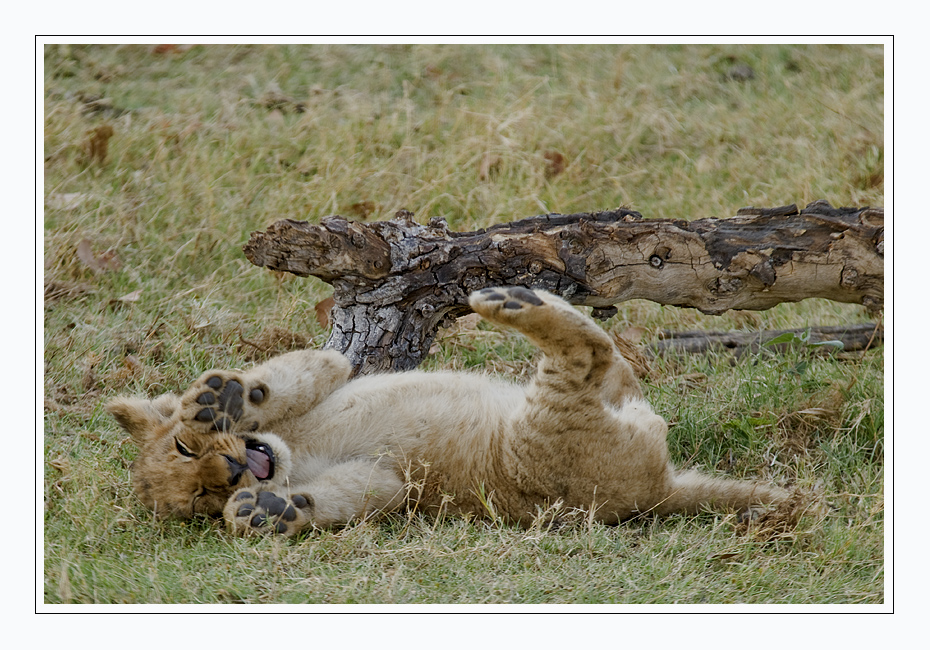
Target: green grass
pixel 197 162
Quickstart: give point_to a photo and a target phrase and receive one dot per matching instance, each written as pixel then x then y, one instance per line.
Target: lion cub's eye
pixel 184 450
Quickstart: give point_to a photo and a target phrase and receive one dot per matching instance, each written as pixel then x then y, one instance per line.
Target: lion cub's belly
pixel 440 418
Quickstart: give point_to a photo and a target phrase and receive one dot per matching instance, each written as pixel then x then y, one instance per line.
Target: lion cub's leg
pixel 579 355
pixel 345 492
pixel 620 382
pixel 584 434
pixel 284 387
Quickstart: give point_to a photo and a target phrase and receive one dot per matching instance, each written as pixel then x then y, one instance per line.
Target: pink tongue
pixel 258 463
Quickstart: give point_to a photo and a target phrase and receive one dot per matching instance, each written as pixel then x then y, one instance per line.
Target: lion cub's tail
pixel 693 492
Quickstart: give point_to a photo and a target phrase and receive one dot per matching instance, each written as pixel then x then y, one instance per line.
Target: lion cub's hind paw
pixel 505 304
pixel 219 401
pixel 257 511
pixel 507 298
pixel 536 313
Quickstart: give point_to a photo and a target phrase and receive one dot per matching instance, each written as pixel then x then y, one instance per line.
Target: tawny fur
pixel 578 433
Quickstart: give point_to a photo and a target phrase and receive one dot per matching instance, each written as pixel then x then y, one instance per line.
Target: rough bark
pixel 396 282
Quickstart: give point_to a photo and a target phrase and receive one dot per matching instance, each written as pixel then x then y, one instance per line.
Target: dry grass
pixel 146 286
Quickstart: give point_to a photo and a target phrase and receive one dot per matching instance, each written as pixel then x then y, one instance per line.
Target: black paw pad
pixel 526 296
pixel 289 514
pixel 257 395
pixel 230 399
pixel 272 503
pixel 510 304
pixel 224 404
pixel 270 509
pixel 491 294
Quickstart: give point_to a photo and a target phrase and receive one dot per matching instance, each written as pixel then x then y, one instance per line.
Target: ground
pixel 146 287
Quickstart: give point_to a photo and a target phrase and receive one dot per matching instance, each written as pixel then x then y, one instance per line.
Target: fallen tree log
pixel 396 282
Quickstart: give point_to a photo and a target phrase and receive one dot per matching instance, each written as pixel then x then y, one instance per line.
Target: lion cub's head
pixel 180 472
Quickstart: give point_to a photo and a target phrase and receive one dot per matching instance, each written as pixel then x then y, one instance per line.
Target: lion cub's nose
pixel 235 469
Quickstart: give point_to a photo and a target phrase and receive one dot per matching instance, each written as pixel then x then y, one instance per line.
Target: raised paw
pixel 492 300
pixel 268 509
pixel 517 306
pixel 560 330
pixel 222 401
pixel 509 297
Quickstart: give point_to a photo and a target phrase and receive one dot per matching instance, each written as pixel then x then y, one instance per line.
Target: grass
pixel 146 286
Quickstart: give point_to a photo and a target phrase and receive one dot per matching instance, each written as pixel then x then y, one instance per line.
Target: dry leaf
pixel 86 254
pixel 275 100
pixel 91 361
pixel 322 311
pixel 171 49
pixel 490 164
pixel 97 144
pixel 555 163
pixel 817 412
pixel 93 104
pixel 363 209
pixel 275 118
pixel 633 334
pixel 107 261
pixel 130 297
pixel 468 322
pixel 131 369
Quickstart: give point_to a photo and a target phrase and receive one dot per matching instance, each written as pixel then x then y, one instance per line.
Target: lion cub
pixel 293 443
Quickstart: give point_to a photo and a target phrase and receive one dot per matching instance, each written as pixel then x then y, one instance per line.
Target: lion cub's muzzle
pixel 236 469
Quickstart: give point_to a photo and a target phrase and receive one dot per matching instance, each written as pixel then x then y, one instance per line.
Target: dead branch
pixel 396 282
pixel 853 337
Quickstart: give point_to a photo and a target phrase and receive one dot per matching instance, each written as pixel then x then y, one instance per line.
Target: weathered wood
pixel 395 282
pixel 853 337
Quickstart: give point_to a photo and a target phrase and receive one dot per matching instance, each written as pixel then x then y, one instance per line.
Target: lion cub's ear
pixel 139 417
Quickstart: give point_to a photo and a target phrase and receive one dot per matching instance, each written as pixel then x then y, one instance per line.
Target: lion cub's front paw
pixel 268 509
pixel 223 401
